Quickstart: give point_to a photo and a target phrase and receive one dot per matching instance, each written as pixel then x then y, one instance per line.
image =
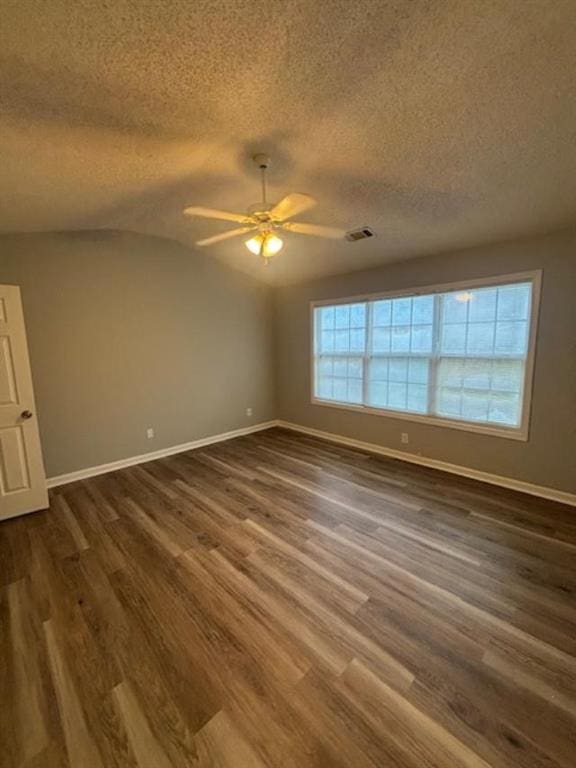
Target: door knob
pixel 26 414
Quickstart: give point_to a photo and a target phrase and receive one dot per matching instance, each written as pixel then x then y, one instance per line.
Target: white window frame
pixel 514 433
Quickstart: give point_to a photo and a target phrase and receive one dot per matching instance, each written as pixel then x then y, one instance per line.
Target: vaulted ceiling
pixel 439 123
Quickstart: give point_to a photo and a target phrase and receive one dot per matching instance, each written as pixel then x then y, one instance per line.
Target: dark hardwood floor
pixel 281 601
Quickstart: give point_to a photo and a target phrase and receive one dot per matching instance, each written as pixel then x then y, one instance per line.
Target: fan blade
pixel 314 229
pixel 292 205
pixel 225 235
pixel 213 213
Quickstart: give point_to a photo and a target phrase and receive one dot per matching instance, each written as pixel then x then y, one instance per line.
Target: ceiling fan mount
pixel 266 220
pixel 261 160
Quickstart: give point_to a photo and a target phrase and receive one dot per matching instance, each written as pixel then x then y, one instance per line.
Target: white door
pixel 22 478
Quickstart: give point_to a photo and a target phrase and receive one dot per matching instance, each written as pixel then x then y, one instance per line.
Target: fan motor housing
pixel 259 211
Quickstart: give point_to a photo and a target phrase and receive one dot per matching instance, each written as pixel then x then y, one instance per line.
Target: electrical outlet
pixel 149 433
pixel 404 437
pixel 248 411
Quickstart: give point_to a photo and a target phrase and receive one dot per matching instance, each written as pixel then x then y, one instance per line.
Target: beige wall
pixel 549 456
pixel 128 332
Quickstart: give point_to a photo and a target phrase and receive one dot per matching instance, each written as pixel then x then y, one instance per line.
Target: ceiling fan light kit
pixel 265 244
pixel 266 220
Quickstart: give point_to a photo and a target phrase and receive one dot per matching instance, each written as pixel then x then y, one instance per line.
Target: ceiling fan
pixel 266 220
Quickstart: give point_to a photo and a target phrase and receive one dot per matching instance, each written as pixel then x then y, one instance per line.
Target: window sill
pixel 511 433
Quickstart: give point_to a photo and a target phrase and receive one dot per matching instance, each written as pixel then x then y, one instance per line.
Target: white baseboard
pixel 505 482
pixel 102 469
pixel 486 477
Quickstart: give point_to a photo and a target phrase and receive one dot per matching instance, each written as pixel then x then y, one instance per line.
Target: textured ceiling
pixel 440 123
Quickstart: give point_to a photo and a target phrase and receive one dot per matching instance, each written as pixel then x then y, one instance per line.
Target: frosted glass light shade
pixel 265 244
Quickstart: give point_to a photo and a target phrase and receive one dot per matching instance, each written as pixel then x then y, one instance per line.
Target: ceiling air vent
pixel 359 234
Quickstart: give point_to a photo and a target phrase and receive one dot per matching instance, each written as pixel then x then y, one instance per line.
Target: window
pixel 460 354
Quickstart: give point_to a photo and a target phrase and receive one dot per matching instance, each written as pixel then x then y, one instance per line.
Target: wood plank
pixel 221 745
pixel 148 752
pixel 79 742
pixel 30 703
